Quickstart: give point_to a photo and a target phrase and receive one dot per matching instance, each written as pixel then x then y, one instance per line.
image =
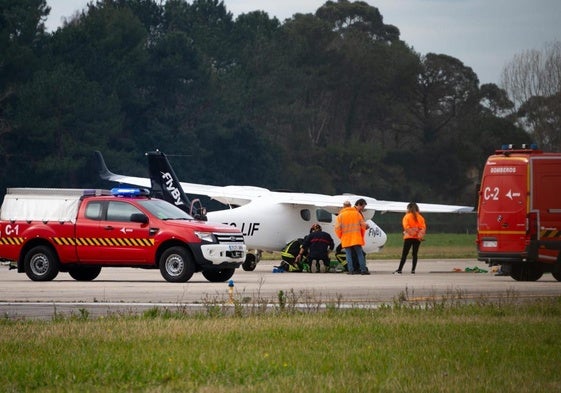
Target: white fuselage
pixel 269 226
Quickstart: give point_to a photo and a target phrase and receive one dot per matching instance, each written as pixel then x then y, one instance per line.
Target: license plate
pixel 235 247
pixel 490 243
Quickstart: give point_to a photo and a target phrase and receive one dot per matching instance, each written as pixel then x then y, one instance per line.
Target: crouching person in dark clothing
pixel 318 244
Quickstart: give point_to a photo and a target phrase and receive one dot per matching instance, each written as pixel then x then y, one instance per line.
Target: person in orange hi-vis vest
pixel 414 229
pixel 350 227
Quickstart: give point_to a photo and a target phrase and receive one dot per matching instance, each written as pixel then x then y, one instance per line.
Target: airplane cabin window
pixel 305 214
pixel 323 215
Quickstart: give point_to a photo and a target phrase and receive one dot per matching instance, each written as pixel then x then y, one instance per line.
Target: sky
pixel 484 34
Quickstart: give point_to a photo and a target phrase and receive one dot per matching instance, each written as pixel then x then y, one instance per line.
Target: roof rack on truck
pixel 57 191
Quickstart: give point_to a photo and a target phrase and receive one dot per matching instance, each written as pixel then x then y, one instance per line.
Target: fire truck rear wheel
pixel 176 264
pixel 84 273
pixel 41 264
pixel 218 275
pixel 556 275
pixel 522 272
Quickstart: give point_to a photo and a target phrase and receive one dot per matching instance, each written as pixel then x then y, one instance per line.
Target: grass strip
pixel 396 348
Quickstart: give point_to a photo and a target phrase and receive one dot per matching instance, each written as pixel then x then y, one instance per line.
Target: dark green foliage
pixel 62 117
pixel 21 38
pixel 330 102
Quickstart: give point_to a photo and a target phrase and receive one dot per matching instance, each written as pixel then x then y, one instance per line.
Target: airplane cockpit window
pixel 323 215
pixel 305 214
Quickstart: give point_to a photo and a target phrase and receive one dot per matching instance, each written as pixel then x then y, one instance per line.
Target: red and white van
pixel 519 212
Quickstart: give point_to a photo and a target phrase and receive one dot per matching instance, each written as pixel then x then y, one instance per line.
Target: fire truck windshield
pixel 164 210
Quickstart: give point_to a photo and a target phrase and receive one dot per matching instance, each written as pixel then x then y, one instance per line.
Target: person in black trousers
pixel 414 229
pixel 318 244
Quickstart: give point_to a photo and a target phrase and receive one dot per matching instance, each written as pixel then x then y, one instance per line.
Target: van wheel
pixel 250 262
pixel 84 273
pixel 215 275
pixel 41 264
pixel 176 264
pixel 525 272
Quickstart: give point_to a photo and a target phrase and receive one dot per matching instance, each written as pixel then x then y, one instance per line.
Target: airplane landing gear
pixel 251 261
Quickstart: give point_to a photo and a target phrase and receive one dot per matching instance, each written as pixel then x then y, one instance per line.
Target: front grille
pixel 229 237
pixel 234 254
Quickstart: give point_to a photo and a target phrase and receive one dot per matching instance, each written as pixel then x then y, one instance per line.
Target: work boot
pixel 314 267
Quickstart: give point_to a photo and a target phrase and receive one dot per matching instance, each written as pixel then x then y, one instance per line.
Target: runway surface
pixel 126 290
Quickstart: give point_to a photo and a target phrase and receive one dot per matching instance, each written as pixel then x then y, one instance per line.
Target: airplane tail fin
pixel 102 168
pixel 166 185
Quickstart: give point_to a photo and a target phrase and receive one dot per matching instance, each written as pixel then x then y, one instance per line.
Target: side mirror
pixel 139 217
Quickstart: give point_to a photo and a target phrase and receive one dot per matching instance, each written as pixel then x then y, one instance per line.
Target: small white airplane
pixel 268 219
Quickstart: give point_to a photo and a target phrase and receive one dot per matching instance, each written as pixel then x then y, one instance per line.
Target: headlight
pixel 205 236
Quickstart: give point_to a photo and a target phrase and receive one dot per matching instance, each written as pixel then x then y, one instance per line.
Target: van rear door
pixel 503 203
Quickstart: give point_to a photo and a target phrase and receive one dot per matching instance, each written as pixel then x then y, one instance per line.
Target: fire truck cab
pixel 519 212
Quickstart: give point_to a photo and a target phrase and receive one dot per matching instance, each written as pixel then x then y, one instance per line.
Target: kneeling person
pixel 317 244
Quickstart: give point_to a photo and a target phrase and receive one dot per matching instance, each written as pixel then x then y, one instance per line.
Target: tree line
pixel 329 102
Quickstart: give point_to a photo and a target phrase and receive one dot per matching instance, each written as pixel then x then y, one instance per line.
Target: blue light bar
pixel 524 146
pixel 129 192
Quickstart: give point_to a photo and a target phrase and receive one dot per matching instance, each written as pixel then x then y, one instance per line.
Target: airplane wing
pixel 333 203
pixel 228 195
pixel 242 195
pixel 401 207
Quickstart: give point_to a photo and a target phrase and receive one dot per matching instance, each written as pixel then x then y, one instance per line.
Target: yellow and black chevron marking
pixel 550 234
pixel 12 241
pixel 103 242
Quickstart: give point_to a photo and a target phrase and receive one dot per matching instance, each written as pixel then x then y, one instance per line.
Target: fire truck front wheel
pixel 221 275
pixel 176 264
pixel 41 263
pixel 250 262
pixel 84 273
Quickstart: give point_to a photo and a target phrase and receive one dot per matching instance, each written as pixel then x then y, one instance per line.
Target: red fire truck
pixel 47 231
pixel 519 212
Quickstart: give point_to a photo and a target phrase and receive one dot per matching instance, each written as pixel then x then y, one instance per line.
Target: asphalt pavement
pixel 128 290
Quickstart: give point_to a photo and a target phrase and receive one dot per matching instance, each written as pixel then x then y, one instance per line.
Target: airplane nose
pixel 383 237
pixel 375 238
